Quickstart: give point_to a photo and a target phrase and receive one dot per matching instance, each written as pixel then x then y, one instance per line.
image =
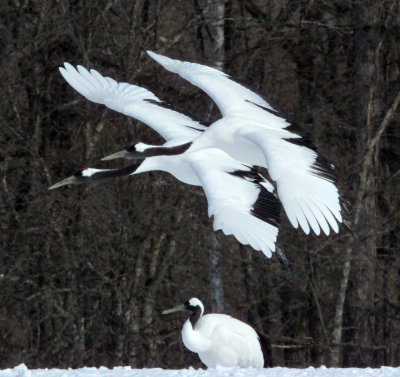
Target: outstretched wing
pixel 240 199
pixel 306 181
pixel 232 97
pixel 134 101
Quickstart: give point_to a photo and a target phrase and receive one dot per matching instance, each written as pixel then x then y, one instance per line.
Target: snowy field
pixel 23 371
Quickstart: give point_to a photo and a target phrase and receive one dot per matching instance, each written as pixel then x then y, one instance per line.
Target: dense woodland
pixel 85 271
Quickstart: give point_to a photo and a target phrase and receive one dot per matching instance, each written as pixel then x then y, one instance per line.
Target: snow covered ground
pixel 23 371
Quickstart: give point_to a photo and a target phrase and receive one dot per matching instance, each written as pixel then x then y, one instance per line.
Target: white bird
pixel 240 199
pixel 250 131
pixel 219 339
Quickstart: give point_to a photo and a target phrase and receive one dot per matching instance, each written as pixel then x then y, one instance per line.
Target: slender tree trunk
pixel 219 33
pixel 217 8
pixel 217 285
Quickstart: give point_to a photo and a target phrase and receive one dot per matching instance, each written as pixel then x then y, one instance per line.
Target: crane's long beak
pixel 175 309
pixel 121 154
pixel 67 181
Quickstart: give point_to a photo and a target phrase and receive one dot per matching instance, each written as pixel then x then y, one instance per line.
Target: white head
pixel 86 175
pixel 140 147
pixel 193 303
pixel 142 150
pixel 194 306
pixel 133 152
pixel 88 172
pixel 83 175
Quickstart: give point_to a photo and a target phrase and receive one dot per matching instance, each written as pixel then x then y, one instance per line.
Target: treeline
pixel 85 271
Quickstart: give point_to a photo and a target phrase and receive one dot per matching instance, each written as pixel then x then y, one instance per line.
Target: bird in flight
pixel 239 197
pixel 250 133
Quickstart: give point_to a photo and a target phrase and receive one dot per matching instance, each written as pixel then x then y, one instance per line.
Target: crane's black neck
pixel 112 173
pixel 195 316
pixel 195 310
pixel 118 172
pixel 158 151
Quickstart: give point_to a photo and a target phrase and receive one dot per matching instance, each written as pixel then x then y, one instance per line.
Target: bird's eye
pixel 132 148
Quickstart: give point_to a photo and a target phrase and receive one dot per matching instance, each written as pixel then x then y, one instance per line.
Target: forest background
pixel 86 271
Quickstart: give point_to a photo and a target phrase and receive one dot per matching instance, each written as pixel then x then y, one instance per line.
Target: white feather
pixel 248 115
pixel 230 199
pixel 133 101
pixel 221 340
pixel 250 131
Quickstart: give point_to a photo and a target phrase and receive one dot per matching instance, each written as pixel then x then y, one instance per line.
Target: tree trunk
pixel 217 8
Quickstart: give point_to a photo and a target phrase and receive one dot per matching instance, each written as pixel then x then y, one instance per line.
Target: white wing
pixel 238 341
pixel 232 97
pixel 134 101
pixel 306 182
pixel 233 343
pixel 239 198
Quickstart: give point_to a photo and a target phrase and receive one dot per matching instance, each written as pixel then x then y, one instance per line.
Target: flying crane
pixel 250 131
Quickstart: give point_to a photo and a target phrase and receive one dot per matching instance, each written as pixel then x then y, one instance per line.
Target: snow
pixel 22 371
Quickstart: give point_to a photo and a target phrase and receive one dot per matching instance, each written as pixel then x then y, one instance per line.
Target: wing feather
pixel 232 190
pixel 241 99
pixel 310 218
pixel 133 101
pixel 306 184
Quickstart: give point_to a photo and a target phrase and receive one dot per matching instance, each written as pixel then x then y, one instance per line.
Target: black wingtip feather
pixel 267 207
pixel 323 169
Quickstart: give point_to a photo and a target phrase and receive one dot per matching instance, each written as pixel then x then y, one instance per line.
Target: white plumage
pixel 250 131
pixel 133 101
pixel 306 182
pixel 219 339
